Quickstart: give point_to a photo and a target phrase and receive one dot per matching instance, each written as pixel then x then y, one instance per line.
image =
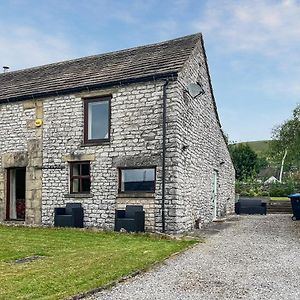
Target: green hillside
pixel 259 147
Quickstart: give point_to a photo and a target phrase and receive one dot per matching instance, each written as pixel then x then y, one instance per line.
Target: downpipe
pixel 163 176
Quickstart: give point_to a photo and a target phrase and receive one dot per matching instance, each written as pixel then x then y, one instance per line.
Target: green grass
pixel 74 260
pixel 280 198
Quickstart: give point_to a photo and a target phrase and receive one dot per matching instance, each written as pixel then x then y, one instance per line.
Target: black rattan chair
pixel 69 216
pixel 250 207
pixel 132 219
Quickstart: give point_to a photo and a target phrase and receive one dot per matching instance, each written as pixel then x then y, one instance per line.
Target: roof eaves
pixel 213 96
pixel 168 75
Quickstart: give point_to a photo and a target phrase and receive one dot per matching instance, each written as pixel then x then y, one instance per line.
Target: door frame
pixel 8 172
pixel 8 192
pixel 215 193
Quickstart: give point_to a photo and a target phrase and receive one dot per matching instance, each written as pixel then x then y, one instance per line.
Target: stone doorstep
pixel 13 223
pixel 219 220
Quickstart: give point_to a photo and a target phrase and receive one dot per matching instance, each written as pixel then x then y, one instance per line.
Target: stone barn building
pixel 136 126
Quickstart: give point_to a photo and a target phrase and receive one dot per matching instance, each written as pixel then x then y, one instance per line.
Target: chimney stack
pixel 5 69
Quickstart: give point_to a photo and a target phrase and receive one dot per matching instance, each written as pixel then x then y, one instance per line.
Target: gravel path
pixel 256 257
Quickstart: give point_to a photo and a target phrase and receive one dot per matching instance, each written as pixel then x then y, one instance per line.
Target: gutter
pixel 163 176
pixel 65 91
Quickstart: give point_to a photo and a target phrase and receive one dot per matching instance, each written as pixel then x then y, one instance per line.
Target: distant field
pixel 259 147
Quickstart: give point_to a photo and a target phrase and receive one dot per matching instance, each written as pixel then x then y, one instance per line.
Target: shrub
pixel 281 189
pixel 251 189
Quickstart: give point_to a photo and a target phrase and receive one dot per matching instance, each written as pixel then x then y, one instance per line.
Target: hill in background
pixel 259 147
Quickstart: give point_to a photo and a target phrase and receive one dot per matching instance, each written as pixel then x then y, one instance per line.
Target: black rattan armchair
pixel 132 219
pixel 69 216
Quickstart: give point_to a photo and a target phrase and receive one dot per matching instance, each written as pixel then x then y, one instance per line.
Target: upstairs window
pixel 137 180
pixel 80 178
pixel 96 120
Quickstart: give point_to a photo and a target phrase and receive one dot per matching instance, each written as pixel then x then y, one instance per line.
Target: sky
pixel 252 46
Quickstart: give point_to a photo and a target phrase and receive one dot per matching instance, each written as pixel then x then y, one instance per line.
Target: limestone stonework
pixel 195 151
pixel 21 147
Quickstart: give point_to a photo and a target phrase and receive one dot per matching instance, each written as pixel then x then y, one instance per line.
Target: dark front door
pixel 16 190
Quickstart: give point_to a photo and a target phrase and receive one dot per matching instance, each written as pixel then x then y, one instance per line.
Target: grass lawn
pixel 74 260
pixel 280 198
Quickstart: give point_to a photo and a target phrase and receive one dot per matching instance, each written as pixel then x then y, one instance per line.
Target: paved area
pixel 251 257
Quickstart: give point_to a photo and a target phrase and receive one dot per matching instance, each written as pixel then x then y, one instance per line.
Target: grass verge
pixel 280 198
pixel 74 261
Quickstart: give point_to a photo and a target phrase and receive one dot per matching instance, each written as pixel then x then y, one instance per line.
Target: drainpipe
pixel 163 176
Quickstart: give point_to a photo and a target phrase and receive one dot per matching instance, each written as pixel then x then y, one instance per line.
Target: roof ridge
pixel 128 65
pixel 198 34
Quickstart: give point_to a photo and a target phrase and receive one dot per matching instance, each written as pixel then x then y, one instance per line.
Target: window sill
pixel 104 143
pixel 136 195
pixel 78 195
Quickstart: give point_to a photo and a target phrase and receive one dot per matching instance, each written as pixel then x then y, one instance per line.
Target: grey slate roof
pixel 156 60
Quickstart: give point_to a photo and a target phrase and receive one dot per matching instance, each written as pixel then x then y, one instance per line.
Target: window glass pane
pixel 86 183
pixel 76 169
pixel 80 177
pixel 76 187
pixel 98 120
pixel 85 169
pixel 138 180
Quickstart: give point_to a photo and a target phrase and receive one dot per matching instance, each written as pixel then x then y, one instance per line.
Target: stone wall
pixel 136 139
pixel 201 150
pixel 195 148
pixel 21 146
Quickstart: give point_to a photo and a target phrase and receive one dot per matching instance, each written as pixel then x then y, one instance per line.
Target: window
pixel 96 120
pixel 80 179
pixel 137 180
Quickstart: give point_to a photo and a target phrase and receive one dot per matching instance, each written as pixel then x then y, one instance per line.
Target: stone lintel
pixel 97 93
pixel 29 104
pixel 79 157
pixel 15 160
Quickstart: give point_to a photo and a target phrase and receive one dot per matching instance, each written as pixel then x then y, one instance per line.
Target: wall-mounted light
pixel 38 122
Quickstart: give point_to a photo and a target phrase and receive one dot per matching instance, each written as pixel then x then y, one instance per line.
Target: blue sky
pixel 252 46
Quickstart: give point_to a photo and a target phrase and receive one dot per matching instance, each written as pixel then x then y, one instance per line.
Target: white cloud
pixel 288 87
pixel 256 33
pixel 270 28
pixel 23 46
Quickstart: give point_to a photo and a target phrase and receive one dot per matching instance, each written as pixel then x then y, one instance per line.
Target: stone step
pixel 279 207
pixel 280 202
pixel 280 210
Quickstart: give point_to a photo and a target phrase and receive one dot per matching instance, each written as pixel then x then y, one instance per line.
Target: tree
pixel 245 161
pixel 286 142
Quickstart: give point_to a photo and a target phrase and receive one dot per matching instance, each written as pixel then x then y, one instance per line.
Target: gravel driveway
pixel 252 257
